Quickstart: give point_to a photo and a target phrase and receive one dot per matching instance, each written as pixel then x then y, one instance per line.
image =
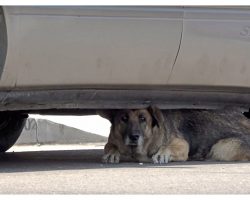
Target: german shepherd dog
pixel 152 135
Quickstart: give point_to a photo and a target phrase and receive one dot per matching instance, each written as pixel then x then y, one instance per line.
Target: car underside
pixel 76 60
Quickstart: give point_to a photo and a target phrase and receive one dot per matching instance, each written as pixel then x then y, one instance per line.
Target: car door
pixel 90 47
pixel 214 50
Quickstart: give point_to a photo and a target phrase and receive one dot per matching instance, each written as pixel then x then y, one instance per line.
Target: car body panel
pixel 3 41
pixel 74 46
pixel 214 49
pixel 124 57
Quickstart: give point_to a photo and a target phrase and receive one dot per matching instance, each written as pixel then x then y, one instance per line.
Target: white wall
pixel 92 123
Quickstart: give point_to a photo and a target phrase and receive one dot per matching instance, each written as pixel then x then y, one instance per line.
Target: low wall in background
pixel 40 131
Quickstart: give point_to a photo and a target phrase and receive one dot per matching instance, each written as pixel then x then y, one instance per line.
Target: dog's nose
pixel 134 137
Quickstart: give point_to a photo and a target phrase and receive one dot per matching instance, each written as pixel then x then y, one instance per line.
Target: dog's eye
pixel 124 118
pixel 142 118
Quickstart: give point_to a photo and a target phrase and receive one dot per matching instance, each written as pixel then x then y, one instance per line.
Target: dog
pixel 152 135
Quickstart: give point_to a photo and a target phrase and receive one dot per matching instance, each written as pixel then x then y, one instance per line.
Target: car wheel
pixel 247 114
pixel 11 126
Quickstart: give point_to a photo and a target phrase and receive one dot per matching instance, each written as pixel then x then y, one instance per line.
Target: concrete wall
pixel 40 131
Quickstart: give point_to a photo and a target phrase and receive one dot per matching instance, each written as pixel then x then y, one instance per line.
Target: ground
pixel 64 169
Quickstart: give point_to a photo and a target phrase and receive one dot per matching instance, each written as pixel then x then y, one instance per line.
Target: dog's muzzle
pixel 133 139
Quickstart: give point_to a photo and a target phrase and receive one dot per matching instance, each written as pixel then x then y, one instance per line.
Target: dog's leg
pixel 162 156
pixel 201 153
pixel 111 154
pixel 230 149
pixel 177 150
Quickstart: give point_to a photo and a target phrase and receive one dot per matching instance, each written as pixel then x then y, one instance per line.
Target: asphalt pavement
pixel 77 169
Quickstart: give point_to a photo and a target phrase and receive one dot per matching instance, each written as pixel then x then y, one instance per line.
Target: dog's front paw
pixel 160 158
pixel 111 157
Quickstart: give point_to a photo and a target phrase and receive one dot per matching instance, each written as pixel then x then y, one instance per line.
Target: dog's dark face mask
pixel 132 126
pixel 135 126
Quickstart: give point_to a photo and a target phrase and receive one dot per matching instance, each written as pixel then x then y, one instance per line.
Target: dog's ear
pixel 107 114
pixel 157 116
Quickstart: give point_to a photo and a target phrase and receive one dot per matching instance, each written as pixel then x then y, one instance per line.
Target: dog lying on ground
pixel 152 135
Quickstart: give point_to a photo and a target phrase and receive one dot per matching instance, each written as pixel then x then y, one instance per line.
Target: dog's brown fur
pixel 177 135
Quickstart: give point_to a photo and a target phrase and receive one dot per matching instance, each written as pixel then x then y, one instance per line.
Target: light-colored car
pixel 64 60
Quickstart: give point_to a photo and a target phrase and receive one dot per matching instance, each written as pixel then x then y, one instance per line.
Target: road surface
pixel 78 170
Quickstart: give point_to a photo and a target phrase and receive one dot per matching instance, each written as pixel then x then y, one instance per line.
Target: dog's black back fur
pixel 203 128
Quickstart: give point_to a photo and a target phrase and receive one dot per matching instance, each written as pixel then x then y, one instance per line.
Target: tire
pixel 247 114
pixel 11 126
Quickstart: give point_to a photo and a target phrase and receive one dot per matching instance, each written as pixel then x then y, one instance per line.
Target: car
pixel 80 59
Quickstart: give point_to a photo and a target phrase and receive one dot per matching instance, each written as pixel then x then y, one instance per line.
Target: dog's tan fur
pixel 179 136
pixel 178 149
pixel 229 150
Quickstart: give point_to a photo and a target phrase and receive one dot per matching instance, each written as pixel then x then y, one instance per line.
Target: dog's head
pixel 134 126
